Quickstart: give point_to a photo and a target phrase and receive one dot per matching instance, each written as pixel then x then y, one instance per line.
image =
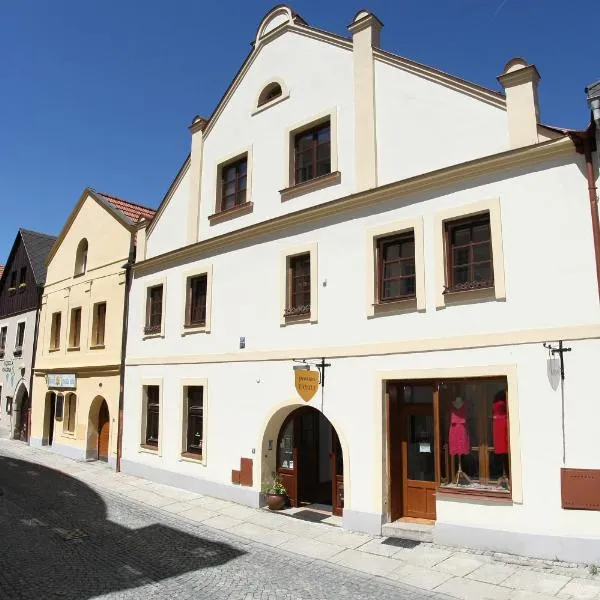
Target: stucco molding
pixel 471 341
pixel 494 163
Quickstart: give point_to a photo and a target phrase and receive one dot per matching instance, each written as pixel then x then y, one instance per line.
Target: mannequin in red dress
pixel 500 423
pixel 458 436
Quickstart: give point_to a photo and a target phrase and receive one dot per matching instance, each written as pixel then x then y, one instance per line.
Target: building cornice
pixel 442 177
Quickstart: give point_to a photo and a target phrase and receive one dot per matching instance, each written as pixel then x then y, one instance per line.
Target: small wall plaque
pixel 580 489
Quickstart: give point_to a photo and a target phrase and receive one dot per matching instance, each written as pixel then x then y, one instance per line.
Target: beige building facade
pixel 75 400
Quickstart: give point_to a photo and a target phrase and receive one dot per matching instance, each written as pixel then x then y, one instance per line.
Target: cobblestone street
pixel 75 530
pixel 63 539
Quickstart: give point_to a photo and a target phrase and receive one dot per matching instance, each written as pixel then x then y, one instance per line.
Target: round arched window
pixel 271 91
pixel 81 257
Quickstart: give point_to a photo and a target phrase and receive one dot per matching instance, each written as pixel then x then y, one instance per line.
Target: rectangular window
pixel 298 286
pixel 312 153
pixel 19 339
pixel 55 331
pixel 13 280
pixel 152 415
pixel 154 310
pixel 396 267
pixel 70 413
pixel 75 328
pixel 99 324
pixel 3 333
pixel 195 311
pixel 22 276
pixel 195 417
pixel 233 183
pixel 469 254
pixel 474 435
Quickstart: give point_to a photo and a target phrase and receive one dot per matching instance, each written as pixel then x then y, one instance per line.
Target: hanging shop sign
pixel 62 380
pixel 307 383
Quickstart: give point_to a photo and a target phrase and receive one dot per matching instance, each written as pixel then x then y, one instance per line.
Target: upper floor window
pixel 298 286
pixel 270 92
pixel 20 338
pixel 99 324
pixel 312 152
pixel 23 277
pixel 13 280
pixel 154 306
pixel 396 262
pixel 195 310
pixel 469 254
pixel 81 257
pixel 3 333
pixel 55 331
pixel 75 328
pixel 233 183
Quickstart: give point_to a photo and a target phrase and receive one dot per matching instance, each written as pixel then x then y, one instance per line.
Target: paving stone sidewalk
pixel 447 572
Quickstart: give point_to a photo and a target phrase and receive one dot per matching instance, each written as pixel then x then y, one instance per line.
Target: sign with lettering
pixel 307 383
pixel 62 380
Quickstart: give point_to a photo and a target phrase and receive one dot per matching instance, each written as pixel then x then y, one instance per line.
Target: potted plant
pixel 276 495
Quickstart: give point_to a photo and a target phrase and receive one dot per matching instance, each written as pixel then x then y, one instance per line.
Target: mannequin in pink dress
pixel 458 436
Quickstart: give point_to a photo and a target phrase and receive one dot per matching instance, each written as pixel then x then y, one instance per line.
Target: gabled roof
pixel 37 246
pixel 131 211
pixel 127 213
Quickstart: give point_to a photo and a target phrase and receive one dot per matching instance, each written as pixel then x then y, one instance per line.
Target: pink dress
pixel 500 426
pixel 458 436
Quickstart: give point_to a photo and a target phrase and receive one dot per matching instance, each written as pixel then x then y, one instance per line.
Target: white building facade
pixel 421 234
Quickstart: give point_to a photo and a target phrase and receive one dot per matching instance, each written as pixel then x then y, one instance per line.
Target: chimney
pixel 520 82
pixel 197 129
pixel 365 29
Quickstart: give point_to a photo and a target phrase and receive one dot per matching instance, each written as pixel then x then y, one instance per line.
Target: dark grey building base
pixel 233 493
pixel 568 549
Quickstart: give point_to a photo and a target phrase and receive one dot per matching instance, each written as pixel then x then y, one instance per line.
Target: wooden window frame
pixel 69 421
pixel 292 309
pixel 99 325
pixel 3 337
pixel 190 322
pixel 190 450
pixel 75 328
pixel 152 406
pixel 314 130
pixel 150 327
pixel 81 258
pixel 449 228
pixel 223 168
pixel 382 243
pixel 22 279
pixel 19 343
pixel 55 330
pixel 13 281
pixel 269 93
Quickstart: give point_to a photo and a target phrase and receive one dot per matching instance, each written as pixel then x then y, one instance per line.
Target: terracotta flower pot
pixel 275 501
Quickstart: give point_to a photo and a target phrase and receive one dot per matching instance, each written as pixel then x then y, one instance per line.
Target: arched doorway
pixel 98 430
pixel 22 414
pixel 309 460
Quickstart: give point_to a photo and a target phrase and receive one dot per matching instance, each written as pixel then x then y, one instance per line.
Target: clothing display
pixel 458 437
pixel 500 424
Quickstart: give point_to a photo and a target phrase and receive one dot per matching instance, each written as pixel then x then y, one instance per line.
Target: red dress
pixel 500 426
pixel 458 436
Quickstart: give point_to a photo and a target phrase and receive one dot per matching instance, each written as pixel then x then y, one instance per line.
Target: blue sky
pixel 100 93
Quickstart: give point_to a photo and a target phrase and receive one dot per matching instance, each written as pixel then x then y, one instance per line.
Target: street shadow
pixel 60 540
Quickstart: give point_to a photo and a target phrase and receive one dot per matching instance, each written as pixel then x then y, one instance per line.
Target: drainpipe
pixel 588 147
pixel 127 266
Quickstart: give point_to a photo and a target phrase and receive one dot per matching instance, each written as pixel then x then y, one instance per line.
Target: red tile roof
pixel 132 211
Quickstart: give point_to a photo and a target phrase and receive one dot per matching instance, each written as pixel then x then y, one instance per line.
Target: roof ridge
pixel 22 229
pixel 112 197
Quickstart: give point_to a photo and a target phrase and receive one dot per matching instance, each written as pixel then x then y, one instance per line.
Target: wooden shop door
pixel 103 432
pixel 418 461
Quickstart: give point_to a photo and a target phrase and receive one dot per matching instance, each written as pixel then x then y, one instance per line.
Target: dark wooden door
pixel 51 418
pixel 307 442
pixel 337 475
pixel 418 461
pixel 103 432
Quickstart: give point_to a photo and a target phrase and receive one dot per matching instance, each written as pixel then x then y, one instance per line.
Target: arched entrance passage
pixel 98 430
pixel 22 411
pixel 309 460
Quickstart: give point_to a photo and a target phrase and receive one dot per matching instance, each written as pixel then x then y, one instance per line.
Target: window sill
pixel 98 347
pixel 190 329
pixel 312 185
pixel 469 296
pixel 191 457
pixel 75 275
pixel 231 213
pixel 393 307
pixel 148 449
pixel 269 104
pixel 68 434
pixel 296 319
pixel 53 349
pixel 158 334
pixel 484 495
pixel 73 349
